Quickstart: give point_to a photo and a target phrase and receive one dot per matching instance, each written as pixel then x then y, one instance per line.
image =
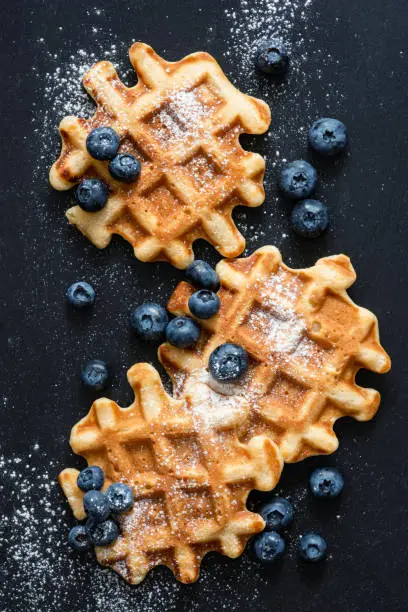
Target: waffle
pixel 306 340
pixel 182 121
pixel 189 472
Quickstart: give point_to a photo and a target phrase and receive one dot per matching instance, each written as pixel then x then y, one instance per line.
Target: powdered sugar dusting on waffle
pixel 282 335
pixel 181 116
pixel 214 404
pixel 61 87
pixel 38 570
pixel 281 326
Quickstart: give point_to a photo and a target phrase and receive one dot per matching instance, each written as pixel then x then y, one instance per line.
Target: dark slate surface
pixel 44 344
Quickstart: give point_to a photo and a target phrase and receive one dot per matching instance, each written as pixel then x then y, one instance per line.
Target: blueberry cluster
pixel 151 321
pixel 102 144
pixel 100 529
pixel 298 179
pixel 227 363
pixel 269 546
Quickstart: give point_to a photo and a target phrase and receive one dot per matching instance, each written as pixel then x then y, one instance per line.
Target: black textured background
pixel 356 69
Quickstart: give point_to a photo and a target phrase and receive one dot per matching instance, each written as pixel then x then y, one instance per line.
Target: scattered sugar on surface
pixel 261 20
pixel 40 571
pixel 61 85
pixel 309 89
pixel 295 21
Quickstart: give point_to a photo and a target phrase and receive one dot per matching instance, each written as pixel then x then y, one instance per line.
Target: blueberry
pixel 269 546
pixel 312 547
pixel 326 483
pixel 91 478
pixel 81 294
pixel 277 514
pixel 298 180
pixel 125 167
pixel 202 275
pixel 328 136
pixel 310 218
pixel 78 538
pixel 95 374
pixel 272 57
pixel 149 320
pixel 103 143
pixel 120 497
pixel 102 534
pixel 182 332
pixel 204 304
pixel 96 505
pixel 91 195
pixel 228 362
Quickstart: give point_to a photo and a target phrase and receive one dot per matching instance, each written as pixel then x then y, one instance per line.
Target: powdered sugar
pixel 309 90
pixel 62 90
pixel 254 21
pixel 39 570
pixel 215 405
pixel 181 116
pixel 280 335
pixel 281 326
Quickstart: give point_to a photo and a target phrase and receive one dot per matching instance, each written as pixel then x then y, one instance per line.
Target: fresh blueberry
pixel 81 294
pixel 328 136
pixel 272 57
pixel 95 374
pixel 103 143
pixel 269 546
pixel 298 180
pixel 102 534
pixel 91 478
pixel 277 514
pixel 202 275
pixel 204 304
pixel 96 505
pixel 312 547
pixel 149 320
pixel 182 332
pixel 310 218
pixel 125 167
pixel 91 195
pixel 326 483
pixel 78 538
pixel 120 497
pixel 228 362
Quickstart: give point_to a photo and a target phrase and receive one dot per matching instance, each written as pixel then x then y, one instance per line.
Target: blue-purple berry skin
pixel 96 505
pixel 78 539
pixel 91 478
pixel 312 547
pixel 269 547
pixel 310 218
pixel 298 180
pixel 326 483
pixel 328 136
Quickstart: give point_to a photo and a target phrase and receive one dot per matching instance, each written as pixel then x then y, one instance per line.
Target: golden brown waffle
pixel 183 121
pixel 189 472
pixel 306 340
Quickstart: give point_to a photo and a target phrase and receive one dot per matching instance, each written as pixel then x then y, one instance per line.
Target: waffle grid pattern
pixel 306 340
pixel 182 120
pixel 190 477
